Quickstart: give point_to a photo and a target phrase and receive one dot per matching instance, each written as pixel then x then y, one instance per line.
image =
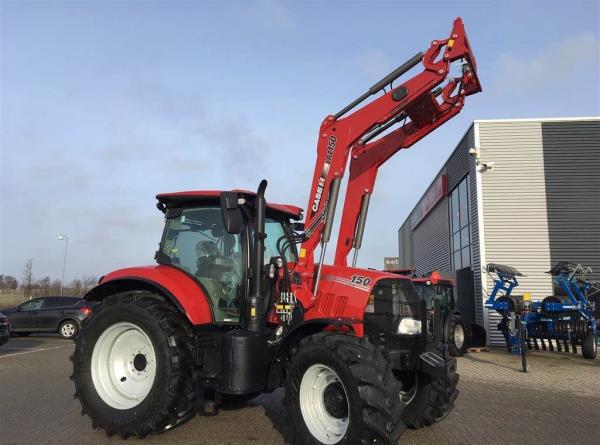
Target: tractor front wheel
pixel 133 366
pixel 341 390
pixel 428 399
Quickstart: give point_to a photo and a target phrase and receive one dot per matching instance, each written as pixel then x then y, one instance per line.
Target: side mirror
pixel 233 219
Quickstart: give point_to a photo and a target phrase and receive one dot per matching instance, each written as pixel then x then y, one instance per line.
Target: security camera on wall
pixel 473 151
pixel 486 166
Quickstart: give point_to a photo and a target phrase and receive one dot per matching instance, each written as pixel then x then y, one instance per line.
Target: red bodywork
pixel 343 291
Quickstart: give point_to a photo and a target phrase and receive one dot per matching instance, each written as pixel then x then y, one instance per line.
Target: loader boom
pixel 370 135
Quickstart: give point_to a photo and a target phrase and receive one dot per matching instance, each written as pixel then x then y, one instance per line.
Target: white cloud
pixel 551 67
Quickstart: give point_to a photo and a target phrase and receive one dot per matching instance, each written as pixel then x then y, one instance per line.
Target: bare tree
pixel 10 282
pixel 77 286
pixel 44 285
pixel 89 281
pixel 27 277
pixel 55 287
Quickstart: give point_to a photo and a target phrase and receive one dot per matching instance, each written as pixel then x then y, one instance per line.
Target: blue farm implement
pixel 564 321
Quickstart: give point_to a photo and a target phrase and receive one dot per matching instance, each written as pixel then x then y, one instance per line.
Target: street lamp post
pixel 66 239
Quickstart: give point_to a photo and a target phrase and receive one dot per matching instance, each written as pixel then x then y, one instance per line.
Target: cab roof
pixel 200 195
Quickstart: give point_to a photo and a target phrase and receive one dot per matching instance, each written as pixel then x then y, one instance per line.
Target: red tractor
pixel 445 317
pixel 233 308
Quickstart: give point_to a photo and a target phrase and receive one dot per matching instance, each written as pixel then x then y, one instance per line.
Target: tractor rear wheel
pixel 589 347
pixel 133 366
pixel 457 336
pixel 341 390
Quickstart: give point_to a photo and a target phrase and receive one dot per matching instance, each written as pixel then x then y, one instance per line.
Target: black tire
pixel 371 391
pixel 554 299
pixel 589 347
pixel 457 336
pixel 66 333
pixel 170 400
pixel 514 304
pixel 433 400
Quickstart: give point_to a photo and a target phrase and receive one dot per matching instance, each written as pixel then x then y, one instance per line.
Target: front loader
pixel 237 304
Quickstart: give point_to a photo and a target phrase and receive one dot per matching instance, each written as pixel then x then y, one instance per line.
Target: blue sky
pixel 105 104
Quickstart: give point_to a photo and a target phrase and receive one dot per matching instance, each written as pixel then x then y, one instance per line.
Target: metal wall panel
pixel 459 162
pixel 405 244
pixel 431 240
pixel 514 206
pixel 572 170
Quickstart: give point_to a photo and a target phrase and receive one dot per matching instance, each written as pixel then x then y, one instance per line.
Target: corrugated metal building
pixel 539 204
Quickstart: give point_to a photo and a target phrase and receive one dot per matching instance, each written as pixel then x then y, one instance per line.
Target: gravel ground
pixel 557 402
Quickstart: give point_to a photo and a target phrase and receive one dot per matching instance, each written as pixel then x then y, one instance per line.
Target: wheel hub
pixel 123 365
pixel 335 401
pixel 140 362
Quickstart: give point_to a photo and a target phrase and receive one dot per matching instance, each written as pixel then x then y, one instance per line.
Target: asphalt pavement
pixel 557 402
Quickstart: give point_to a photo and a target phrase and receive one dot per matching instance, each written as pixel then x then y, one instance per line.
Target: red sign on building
pixel 432 196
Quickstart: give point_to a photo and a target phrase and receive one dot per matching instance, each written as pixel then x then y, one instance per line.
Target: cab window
pixel 197 242
pixel 276 230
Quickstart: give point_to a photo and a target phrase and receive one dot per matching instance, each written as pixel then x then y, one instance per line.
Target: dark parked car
pixel 4 329
pixel 49 314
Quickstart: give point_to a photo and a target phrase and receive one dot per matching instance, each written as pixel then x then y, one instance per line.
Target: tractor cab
pixel 211 241
pixel 436 290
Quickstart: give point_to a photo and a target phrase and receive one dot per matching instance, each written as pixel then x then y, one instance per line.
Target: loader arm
pixel 414 108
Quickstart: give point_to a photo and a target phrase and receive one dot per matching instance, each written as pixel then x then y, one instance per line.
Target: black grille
pixel 397 297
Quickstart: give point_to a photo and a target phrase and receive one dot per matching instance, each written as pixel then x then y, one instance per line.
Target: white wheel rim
pixel 324 426
pixel 459 336
pixel 68 330
pixel 123 366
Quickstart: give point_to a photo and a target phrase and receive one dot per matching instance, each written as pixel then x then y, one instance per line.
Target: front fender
pixel 179 288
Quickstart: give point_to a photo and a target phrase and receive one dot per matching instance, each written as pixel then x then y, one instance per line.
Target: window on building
pixel 460 227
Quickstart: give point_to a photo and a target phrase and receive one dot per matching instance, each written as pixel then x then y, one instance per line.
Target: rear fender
pixel 177 287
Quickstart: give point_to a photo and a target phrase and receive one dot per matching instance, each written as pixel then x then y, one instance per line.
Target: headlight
pixel 409 326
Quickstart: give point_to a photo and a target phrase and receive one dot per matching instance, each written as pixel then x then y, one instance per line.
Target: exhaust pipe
pixel 256 310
